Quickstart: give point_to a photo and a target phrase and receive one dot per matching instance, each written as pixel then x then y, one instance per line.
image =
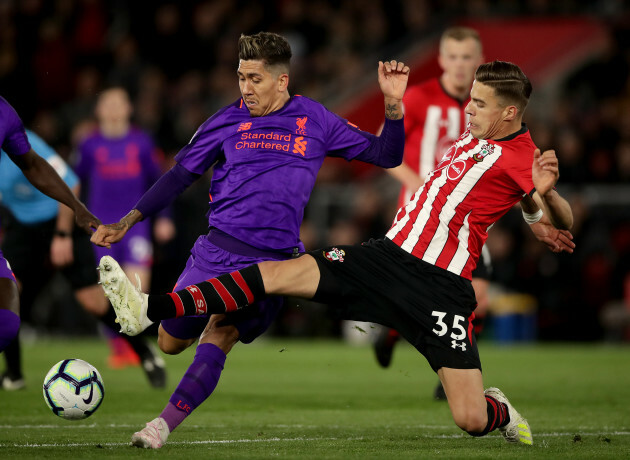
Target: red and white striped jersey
pixel 447 220
pixel 433 121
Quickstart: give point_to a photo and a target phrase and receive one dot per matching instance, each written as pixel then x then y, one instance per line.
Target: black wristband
pixel 62 234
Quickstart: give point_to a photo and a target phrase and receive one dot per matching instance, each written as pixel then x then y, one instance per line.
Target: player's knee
pixel 171 345
pixel 471 421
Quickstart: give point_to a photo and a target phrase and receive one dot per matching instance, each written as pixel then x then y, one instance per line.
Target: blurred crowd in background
pixel 178 62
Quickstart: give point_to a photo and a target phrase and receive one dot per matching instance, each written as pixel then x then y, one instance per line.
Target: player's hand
pixel 85 219
pixel 556 240
pixel 545 172
pixel 105 235
pixel 392 78
pixel 61 251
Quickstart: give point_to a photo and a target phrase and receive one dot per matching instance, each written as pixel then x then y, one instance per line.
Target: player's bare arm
pixel 43 176
pixel 105 235
pixel 406 176
pixel 545 174
pixel 556 240
pixel 392 78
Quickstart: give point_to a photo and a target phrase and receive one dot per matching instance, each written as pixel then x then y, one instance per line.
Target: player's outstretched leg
pixel 129 302
pixel 152 436
pixel 517 429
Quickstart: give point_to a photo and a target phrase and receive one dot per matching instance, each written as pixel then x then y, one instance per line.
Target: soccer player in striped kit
pixel 434 119
pixel 265 150
pixel 417 278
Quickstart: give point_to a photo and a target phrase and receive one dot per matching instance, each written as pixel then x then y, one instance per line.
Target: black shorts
pixel 381 283
pixel 27 248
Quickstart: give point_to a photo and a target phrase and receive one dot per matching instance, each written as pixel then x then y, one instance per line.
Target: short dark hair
pixel 271 48
pixel 508 80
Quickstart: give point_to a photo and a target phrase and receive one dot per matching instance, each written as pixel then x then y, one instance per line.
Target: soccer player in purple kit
pixel 42 175
pixel 116 164
pixel 265 150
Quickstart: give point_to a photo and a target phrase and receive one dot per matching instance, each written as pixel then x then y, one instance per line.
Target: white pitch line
pixel 210 426
pixel 299 439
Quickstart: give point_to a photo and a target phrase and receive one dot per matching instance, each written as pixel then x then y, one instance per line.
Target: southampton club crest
pixel 335 255
pixel 486 150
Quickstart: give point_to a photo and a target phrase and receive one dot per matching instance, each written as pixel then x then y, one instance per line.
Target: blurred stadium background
pixel 178 61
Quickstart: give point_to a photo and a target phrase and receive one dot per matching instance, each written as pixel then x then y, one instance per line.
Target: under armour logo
pixel 462 345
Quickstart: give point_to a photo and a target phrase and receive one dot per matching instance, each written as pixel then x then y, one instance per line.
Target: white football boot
pixel 517 430
pixel 129 302
pixel 152 436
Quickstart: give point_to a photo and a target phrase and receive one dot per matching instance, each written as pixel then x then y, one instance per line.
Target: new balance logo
pixel 299 146
pixel 244 126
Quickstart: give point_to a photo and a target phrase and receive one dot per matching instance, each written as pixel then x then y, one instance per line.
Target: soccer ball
pixel 73 389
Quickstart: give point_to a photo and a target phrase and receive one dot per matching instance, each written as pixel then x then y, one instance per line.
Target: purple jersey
pixel 117 172
pixel 13 138
pixel 264 168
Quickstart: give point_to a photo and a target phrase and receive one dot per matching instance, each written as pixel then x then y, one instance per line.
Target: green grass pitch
pixel 326 399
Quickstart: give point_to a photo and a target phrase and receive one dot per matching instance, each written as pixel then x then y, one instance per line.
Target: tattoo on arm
pixel 391 111
pixel 129 220
pixel 119 225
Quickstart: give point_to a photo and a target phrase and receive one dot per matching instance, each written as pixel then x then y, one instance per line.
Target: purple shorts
pixel 209 261
pixel 5 268
pixel 136 248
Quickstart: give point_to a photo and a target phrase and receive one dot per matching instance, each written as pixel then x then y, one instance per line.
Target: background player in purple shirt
pixel 117 164
pixel 39 173
pixel 265 150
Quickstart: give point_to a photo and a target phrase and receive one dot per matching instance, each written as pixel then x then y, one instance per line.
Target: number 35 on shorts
pixel 459 329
